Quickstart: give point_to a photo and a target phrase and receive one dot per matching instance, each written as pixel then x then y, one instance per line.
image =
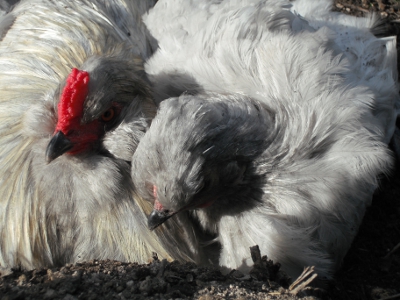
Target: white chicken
pixel 74 103
pixel 286 131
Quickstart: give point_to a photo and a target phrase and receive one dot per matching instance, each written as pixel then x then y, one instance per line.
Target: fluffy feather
pixel 78 207
pixel 326 93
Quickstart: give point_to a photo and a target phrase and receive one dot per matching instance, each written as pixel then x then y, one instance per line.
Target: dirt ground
pixel 371 270
pixel 387 9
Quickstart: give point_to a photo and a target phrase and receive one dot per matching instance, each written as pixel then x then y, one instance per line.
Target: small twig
pixel 307 271
pixel 397 247
pixel 301 282
pixel 391 297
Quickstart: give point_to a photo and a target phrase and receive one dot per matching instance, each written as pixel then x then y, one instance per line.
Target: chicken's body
pixel 55 207
pixel 286 149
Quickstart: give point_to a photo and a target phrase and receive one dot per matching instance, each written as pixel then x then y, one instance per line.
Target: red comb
pixel 70 107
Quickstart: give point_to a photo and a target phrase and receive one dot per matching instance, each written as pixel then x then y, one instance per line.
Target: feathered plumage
pixel 82 204
pixel 286 134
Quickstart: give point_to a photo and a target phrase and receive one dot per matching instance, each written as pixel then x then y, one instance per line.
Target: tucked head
pixel 199 152
pixel 93 101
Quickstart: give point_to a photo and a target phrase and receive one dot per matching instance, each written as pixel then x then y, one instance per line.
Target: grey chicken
pixel 285 136
pixel 75 101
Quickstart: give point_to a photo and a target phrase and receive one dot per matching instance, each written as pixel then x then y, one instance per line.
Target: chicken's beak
pixel 157 217
pixel 57 146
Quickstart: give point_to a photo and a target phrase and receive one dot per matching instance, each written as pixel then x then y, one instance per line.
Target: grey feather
pixel 294 175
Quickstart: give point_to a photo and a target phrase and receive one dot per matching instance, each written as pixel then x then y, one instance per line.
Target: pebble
pixel 69 297
pixel 189 278
pixel 77 274
pixel 50 293
pixel 21 279
pixel 130 283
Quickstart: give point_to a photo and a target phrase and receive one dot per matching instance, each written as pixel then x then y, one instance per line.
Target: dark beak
pixel 157 217
pixel 57 146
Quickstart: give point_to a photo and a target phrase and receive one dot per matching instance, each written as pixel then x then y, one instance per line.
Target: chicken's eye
pixel 108 115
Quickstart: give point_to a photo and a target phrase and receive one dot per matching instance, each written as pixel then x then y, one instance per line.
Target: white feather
pixel 326 77
pixel 75 208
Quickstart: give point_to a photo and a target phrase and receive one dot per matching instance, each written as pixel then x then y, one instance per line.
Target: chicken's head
pixel 199 154
pixel 95 100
